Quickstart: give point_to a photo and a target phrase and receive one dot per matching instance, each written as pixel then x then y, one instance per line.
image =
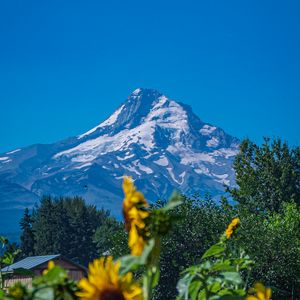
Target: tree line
pixel 266 199
pixel 67 226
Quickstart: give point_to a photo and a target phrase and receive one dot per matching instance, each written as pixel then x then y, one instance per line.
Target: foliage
pixel 53 284
pixel 273 242
pixel 68 226
pixel 267 176
pixel 169 240
pixel 199 224
pixel 219 274
pixel 9 252
pixel 110 237
pixel 27 236
pixel 268 198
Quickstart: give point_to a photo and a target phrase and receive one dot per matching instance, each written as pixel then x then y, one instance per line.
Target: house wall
pixel 26 280
pixel 74 273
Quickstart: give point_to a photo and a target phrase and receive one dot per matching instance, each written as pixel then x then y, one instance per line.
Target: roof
pixel 30 262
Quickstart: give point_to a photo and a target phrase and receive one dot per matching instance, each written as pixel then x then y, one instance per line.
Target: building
pixel 26 269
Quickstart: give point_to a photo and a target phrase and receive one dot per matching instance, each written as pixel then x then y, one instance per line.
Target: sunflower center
pixel 111 294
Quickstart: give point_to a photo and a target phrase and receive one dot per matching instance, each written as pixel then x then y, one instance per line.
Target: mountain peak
pixel 145 92
pixel 138 104
pixel 161 143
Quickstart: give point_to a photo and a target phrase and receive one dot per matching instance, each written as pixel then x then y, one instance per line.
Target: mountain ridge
pixel 160 142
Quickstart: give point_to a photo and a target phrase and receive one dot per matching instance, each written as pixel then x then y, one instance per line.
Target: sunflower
pixel 259 292
pixel 134 211
pixel 105 283
pixel 231 227
pixel 17 292
pixel 51 265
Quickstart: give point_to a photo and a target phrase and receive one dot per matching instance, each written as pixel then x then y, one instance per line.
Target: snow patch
pixel 202 170
pixel 182 176
pixel 213 142
pixel 125 157
pixel 136 91
pixel 82 158
pixel 144 168
pixel 82 166
pixel 170 170
pixel 112 119
pixel 91 149
pixel 162 161
pixel 132 169
pixel 226 152
pixel 194 157
pixel 207 129
pixel 222 178
pixel 4 158
pixel 14 151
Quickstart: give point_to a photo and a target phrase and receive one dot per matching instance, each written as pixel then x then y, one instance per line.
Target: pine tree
pixel 27 237
pixel 82 223
pixel 43 227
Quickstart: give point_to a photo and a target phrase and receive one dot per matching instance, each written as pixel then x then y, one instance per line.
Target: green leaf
pixel 8 258
pixel 132 263
pixel 232 277
pixel 46 293
pixel 214 250
pixel 174 201
pixel 226 297
pixel 215 287
pixel 129 263
pixel 223 266
pixel 183 286
pixel 202 295
pixel 194 289
pixel 57 275
pixel 156 277
pixel 3 241
pixel 147 250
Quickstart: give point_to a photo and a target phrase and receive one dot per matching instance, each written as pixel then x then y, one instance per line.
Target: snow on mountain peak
pixel 158 141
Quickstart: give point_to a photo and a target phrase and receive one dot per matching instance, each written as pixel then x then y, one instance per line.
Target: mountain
pixel 161 143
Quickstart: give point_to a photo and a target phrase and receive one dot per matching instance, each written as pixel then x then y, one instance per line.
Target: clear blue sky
pixel 66 65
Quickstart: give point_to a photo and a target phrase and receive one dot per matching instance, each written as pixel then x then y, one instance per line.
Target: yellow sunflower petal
pixel 104 281
pixel 268 293
pixel 251 298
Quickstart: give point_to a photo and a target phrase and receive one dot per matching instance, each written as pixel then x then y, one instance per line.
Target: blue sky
pixel 67 65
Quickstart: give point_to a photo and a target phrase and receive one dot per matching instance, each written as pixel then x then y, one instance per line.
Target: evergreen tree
pixel 67 226
pixel 27 237
pixel 43 227
pixel 83 224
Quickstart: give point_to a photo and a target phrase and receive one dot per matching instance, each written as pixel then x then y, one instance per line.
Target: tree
pixel 67 226
pixel 27 237
pixel 106 236
pixel 267 176
pixel 82 221
pixel 273 242
pixel 268 199
pixel 199 224
pixel 43 227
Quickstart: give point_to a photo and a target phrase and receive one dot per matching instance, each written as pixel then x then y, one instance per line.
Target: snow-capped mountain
pixel 161 143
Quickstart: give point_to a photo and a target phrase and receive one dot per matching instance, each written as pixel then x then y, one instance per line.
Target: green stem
pixel 150 279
